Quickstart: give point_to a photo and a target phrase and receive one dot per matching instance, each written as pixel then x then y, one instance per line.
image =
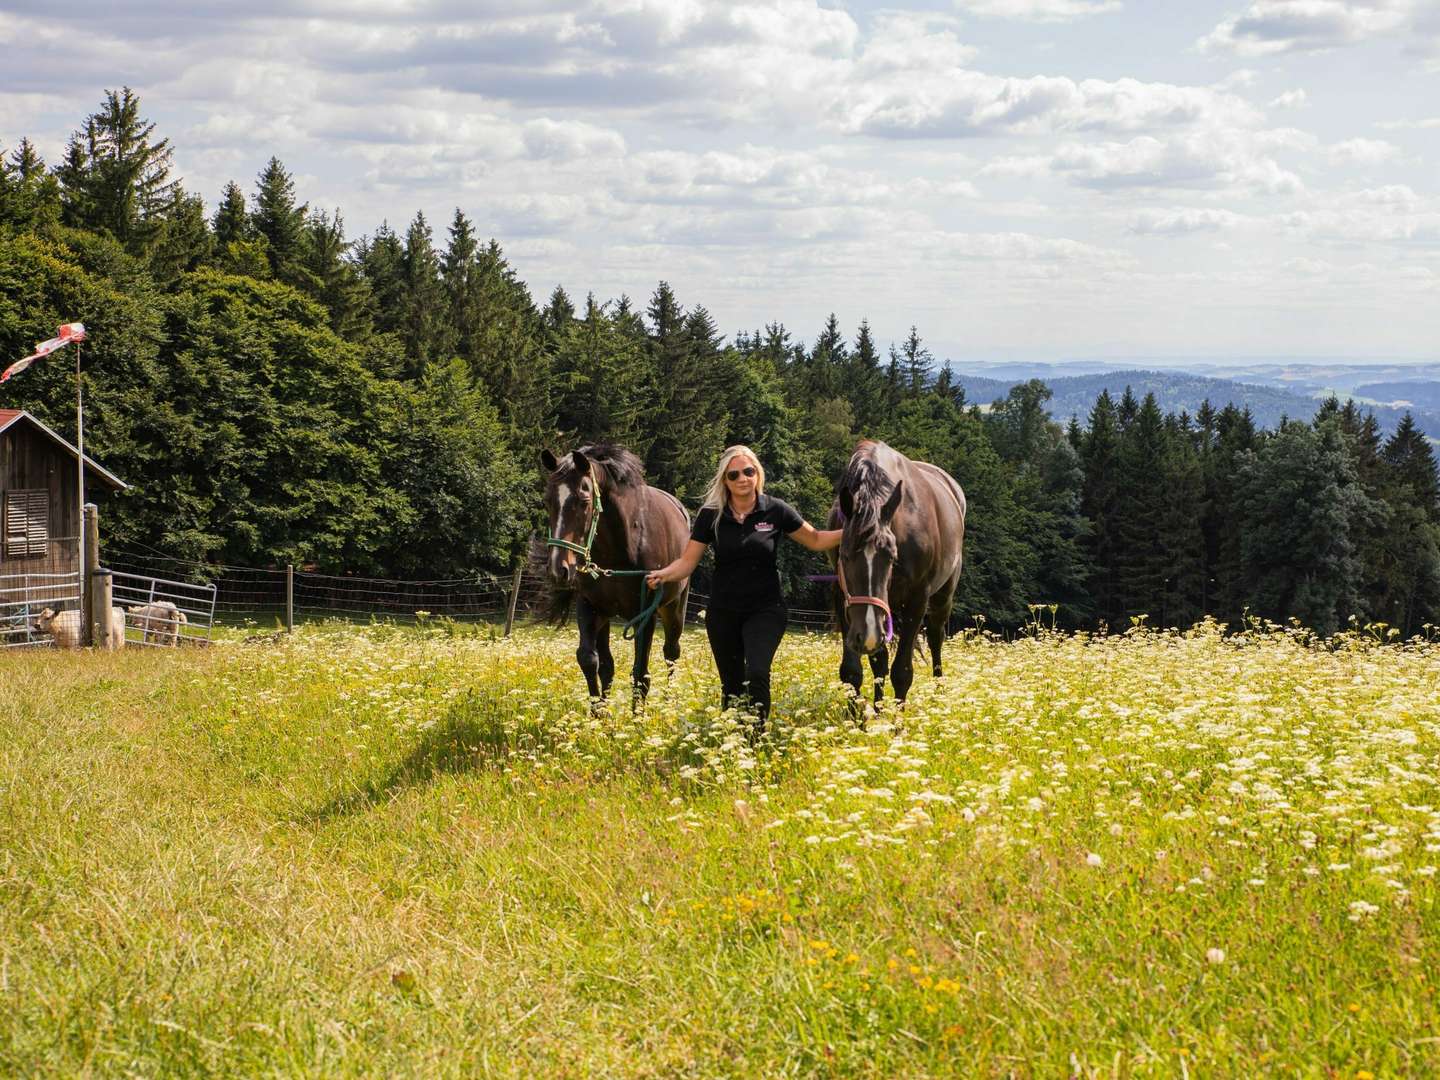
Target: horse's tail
pixel 559 606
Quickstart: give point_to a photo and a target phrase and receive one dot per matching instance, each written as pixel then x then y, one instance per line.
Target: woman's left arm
pixel 816 539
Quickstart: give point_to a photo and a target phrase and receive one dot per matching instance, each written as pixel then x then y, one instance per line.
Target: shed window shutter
pixel 27 523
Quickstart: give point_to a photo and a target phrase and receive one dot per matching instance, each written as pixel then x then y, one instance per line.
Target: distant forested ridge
pixel 277 391
pixel 1178 391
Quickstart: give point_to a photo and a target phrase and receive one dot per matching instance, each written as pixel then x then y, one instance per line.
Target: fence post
pixel 514 596
pixel 289 598
pixel 90 523
pixel 102 593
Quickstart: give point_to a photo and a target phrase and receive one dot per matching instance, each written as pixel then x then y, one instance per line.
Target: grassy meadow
pixel 416 851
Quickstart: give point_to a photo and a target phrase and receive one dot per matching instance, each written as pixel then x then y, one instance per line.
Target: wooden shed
pixel 39 500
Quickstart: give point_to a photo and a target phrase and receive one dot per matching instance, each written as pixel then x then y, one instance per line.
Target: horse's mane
pixel 869 486
pixel 625 469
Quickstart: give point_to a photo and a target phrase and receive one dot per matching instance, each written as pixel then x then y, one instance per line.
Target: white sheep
pixel 159 621
pixel 64 627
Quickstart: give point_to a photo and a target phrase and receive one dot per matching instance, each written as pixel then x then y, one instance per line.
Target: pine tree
pixel 231 221
pixel 1101 506
pixel 918 363
pixel 29 194
pixel 381 258
pixel 184 242
pixel 861 382
pixel 114 177
pixel 334 279
pixel 460 275
pixel 1141 560
pixel 423 328
pixel 280 222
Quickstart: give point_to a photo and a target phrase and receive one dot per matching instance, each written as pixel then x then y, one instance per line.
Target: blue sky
pixel 1021 179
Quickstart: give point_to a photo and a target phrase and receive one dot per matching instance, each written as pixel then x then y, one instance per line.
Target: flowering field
pixel 388 852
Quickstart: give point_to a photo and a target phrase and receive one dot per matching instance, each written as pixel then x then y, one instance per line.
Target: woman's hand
pixel 680 569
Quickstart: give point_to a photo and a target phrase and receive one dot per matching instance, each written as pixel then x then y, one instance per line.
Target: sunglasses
pixel 735 474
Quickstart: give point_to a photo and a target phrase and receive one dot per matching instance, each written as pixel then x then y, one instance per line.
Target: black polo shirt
pixel 746 575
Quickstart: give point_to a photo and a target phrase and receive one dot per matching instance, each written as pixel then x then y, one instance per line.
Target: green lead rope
pixel 648 603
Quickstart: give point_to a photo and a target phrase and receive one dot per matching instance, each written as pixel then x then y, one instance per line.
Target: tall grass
pixel 384 851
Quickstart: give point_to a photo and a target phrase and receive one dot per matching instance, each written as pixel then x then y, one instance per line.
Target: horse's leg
pixel 586 655
pixel 640 673
pixel 602 646
pixel 903 673
pixel 880 669
pixel 851 676
pixel 672 617
pixel 937 618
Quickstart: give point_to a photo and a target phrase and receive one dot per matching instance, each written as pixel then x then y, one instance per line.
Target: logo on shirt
pixel 763 526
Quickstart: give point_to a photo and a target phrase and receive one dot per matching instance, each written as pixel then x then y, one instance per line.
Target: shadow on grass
pixel 473 736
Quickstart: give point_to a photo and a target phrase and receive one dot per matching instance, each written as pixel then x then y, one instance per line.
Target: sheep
pixel 159 621
pixel 64 627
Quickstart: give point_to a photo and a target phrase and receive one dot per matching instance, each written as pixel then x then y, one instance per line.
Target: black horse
pixel 899 561
pixel 605 518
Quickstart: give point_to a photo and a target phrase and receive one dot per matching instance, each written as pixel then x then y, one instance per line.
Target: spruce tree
pixel 231 221
pixel 115 176
pixel 333 277
pixel 280 222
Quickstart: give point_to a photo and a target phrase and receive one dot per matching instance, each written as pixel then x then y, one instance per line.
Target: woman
pixel 746 616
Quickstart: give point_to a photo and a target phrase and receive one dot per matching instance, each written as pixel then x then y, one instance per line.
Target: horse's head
pixel 867 555
pixel 572 503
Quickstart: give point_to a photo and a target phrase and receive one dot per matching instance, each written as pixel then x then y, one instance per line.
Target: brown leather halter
pixel 872 601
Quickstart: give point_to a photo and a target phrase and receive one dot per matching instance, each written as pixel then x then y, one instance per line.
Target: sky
pixel 1019 179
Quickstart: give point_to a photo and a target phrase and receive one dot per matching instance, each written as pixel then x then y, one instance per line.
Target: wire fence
pixel 24 596
pixel 252 595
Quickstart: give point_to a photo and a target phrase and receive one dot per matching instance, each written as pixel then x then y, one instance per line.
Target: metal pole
pixel 289 598
pixel 514 596
pixel 80 469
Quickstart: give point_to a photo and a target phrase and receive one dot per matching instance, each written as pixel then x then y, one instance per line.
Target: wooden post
pixel 289 598
pixel 514 596
pixel 105 632
pixel 90 550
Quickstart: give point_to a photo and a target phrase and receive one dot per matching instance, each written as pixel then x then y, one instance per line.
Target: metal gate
pixel 24 596
pixel 163 613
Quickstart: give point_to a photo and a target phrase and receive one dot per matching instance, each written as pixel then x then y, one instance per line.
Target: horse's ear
pixel 847 502
pixel 893 502
pixel 582 463
pixel 548 461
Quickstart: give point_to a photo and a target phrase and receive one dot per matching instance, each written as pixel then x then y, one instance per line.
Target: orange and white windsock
pixel 70 331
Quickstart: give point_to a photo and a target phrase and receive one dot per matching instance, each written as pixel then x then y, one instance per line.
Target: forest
pixel 276 392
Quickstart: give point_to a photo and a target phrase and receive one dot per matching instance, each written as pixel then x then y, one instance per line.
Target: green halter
pixel 648 603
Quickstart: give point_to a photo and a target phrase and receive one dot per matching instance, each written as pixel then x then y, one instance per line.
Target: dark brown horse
pixel 604 517
pixel 899 561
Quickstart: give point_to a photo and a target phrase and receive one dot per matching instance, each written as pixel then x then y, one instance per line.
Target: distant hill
pixel 1176 390
pixel 1415 393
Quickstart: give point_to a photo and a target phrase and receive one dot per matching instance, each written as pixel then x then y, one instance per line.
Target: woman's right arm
pixel 681 568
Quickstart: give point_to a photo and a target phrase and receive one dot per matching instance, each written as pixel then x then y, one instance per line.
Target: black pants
pixel 744 644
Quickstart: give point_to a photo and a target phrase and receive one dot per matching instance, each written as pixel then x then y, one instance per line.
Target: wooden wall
pixel 30 459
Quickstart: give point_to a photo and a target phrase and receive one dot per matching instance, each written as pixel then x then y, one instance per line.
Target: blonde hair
pixel 717 494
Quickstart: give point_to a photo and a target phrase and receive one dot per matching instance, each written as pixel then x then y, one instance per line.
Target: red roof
pixel 10 416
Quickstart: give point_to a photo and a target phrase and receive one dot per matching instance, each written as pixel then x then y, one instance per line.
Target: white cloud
pixel 967 103
pixel 1183 221
pixel 1271 27
pixel 1038 10
pixel 1409 125
pixel 1206 160
pixel 1290 99
pixel 1362 152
